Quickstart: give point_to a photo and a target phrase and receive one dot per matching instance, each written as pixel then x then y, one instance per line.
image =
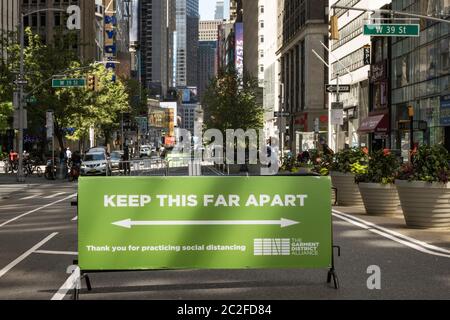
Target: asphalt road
pixel 38 241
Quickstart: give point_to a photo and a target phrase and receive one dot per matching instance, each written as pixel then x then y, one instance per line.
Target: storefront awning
pixel 376 123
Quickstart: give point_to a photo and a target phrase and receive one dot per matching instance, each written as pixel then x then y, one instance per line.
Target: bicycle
pixel 5 165
pixel 32 166
pixel 10 167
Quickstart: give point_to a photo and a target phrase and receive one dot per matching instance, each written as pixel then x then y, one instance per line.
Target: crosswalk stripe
pixel 55 195
pixel 31 197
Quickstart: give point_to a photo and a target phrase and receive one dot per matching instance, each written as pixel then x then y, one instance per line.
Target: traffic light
pixel 334 28
pixel 91 83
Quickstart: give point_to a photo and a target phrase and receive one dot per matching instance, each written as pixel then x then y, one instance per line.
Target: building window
pixel 57 17
pixel 43 19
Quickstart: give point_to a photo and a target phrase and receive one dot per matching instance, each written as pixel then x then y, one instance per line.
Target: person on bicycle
pixel 76 158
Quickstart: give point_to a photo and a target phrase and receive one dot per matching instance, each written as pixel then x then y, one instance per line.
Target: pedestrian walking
pixel 126 161
pixel 62 156
pixel 68 154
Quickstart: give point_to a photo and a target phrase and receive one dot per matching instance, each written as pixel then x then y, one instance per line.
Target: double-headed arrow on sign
pixel 128 223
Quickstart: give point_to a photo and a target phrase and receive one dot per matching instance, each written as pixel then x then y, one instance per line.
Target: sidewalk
pixel 396 223
pixel 30 180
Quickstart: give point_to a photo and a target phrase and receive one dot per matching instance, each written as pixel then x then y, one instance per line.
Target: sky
pixel 208 8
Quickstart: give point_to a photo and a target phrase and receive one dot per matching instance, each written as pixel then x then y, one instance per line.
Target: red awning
pixel 376 123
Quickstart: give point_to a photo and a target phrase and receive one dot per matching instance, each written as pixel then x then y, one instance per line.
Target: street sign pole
pixel 337 125
pixel 20 175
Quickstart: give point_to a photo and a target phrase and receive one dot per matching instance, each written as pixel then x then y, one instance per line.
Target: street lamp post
pixel 20 84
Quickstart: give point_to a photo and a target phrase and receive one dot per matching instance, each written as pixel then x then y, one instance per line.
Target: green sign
pixel 31 100
pixel 67 83
pixel 392 30
pixel 204 222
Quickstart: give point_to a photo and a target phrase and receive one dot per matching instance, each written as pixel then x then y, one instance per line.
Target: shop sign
pixel 302 122
pixel 445 110
pixel 378 71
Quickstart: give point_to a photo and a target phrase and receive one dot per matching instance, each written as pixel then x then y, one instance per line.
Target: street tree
pixel 232 103
pixel 75 109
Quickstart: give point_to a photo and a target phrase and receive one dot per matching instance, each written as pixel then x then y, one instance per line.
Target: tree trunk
pixel 59 135
pixel 107 134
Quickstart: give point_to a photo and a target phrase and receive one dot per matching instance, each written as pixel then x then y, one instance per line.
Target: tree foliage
pixel 75 109
pixel 232 103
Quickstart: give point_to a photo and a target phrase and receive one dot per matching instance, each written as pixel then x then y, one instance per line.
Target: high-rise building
pixel 268 58
pixel 206 64
pixel 235 6
pixel 303 24
pixel 122 37
pixel 191 117
pixel 48 24
pixel 420 78
pixel 208 29
pixel 134 40
pixel 9 16
pixel 225 46
pixel 155 36
pixel 219 14
pixel 207 53
pixel 353 69
pixel 187 24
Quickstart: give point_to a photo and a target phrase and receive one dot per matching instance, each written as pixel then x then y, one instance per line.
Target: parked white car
pixel 95 163
pixel 145 151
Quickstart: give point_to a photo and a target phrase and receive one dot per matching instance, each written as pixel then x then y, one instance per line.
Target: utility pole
pixel 337 100
pixel 122 138
pixel 20 175
pixel 411 130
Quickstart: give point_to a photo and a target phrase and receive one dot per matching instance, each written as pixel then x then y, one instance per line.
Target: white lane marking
pixel 54 195
pixel 75 218
pixel 26 254
pixel 396 234
pixel 37 209
pixel 372 228
pixel 69 284
pixel 69 253
pixel 30 197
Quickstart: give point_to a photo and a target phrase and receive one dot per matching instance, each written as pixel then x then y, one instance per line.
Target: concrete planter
pixel 254 169
pixel 304 170
pixel 234 168
pixel 347 190
pixel 379 199
pixel 425 205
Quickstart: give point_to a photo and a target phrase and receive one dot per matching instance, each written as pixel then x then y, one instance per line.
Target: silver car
pixel 95 163
pixel 115 158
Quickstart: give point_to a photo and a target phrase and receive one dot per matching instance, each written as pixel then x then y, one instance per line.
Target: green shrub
pixel 345 160
pixel 429 164
pixel 382 168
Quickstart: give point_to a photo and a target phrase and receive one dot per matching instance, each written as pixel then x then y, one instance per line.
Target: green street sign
pixel 68 83
pixel 145 223
pixel 31 100
pixel 392 30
